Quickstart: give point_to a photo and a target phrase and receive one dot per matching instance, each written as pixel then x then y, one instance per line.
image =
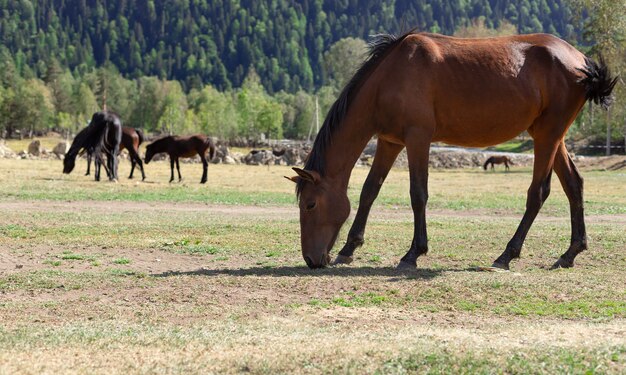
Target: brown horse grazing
pixel 421 88
pixel 132 138
pixel 498 160
pixel 183 147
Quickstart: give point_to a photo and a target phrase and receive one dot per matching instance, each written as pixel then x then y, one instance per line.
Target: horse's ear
pixel 310 176
pixel 293 179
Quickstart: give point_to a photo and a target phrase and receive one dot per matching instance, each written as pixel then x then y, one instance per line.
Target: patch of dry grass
pixel 605 192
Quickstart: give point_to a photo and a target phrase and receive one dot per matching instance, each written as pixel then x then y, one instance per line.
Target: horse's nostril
pixel 309 262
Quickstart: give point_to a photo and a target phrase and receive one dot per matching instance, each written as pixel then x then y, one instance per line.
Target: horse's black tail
pixel 140 135
pixel 598 82
pixel 487 162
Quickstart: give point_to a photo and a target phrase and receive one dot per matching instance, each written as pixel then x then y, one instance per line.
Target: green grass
pixel 514 146
pixel 552 361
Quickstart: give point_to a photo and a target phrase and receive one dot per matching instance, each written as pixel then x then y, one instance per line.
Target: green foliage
pixel 217 42
pixel 343 59
pixel 605 29
pixel 231 69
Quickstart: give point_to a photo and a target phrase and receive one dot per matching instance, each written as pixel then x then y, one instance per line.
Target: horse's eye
pixel 310 206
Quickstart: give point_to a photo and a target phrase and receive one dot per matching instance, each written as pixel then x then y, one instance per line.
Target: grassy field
pixel 152 277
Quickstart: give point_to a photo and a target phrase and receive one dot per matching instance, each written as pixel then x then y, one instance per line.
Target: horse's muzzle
pixel 321 263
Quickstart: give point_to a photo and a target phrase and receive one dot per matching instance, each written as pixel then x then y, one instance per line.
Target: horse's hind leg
pixel 205 167
pixel 545 149
pixel 96 168
pixel 136 160
pixel 178 169
pixel 143 174
pixel 132 167
pixel 572 184
pixel 115 162
pixel 417 152
pixel 386 154
pixel 88 163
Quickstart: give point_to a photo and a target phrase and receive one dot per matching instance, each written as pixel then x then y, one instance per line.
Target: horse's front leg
pixel 386 154
pixel 172 168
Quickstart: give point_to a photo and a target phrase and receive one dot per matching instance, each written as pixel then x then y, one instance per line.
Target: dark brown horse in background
pixel 498 160
pixel 103 135
pixel 421 88
pixel 183 147
pixel 132 138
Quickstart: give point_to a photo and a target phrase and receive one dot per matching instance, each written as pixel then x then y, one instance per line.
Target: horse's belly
pixel 189 154
pixel 484 123
pixel 479 135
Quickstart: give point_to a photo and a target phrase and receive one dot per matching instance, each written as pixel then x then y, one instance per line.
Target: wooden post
pixel 608 132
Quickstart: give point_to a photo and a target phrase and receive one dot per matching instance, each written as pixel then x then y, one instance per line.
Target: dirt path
pixel 273 212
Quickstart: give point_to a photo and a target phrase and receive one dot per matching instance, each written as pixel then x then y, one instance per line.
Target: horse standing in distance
pixel 183 147
pixel 498 160
pixel 103 135
pixel 132 138
pixel 420 88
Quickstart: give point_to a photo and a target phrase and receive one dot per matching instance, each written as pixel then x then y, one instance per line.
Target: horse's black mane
pixel 378 45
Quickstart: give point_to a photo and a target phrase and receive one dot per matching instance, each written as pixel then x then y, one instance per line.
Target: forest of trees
pixel 231 68
pixel 217 41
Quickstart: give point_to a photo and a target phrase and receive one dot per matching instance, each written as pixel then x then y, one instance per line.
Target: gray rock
pixel 61 149
pixel 34 148
pixel 5 151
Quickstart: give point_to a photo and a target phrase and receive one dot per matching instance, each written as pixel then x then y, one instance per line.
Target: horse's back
pixel 494 88
pixel 189 146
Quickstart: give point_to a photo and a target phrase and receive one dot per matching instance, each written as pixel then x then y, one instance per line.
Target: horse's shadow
pixel 294 271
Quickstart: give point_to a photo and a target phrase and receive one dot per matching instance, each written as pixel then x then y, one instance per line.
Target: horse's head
pixel 149 153
pixel 324 207
pixel 69 161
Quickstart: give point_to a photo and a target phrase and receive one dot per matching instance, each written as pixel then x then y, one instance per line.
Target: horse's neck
pixel 162 146
pixel 347 144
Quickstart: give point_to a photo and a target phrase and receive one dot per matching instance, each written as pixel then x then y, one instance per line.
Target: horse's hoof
pixel 500 266
pixel 405 266
pixel 342 259
pixel 562 263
